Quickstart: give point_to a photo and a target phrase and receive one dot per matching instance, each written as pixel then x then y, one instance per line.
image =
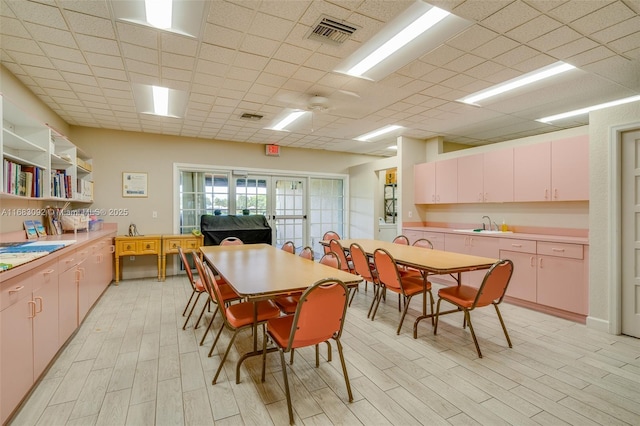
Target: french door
pixel 281 199
pixel 631 233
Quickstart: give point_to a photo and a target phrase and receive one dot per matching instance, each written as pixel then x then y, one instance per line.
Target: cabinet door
pixel 447 181
pixel 424 183
pixel 570 169
pixel 456 243
pixel 532 172
pixel 45 324
pixel 523 281
pixel 17 352
pixel 498 176
pixel 470 179
pixel 84 290
pixel 561 284
pixel 67 303
pixel 412 235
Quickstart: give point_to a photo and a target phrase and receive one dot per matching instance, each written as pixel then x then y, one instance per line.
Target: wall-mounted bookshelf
pixel 40 163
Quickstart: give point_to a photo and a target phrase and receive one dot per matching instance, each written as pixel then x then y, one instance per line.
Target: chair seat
pixel 241 314
pixel 280 329
pixel 461 295
pixel 412 285
pixel 288 304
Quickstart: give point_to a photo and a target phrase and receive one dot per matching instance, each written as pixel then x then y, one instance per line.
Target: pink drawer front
pixel 573 251
pixel 15 289
pixel 523 246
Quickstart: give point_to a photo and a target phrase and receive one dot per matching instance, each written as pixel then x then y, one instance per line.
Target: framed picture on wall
pixel 134 184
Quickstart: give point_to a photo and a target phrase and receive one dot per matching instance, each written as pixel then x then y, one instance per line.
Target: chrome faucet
pixel 489 220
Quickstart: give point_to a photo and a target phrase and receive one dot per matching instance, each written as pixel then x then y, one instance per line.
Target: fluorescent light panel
pixel 159 13
pixel 288 120
pixel 586 110
pixel 417 27
pixel 417 30
pixel 381 131
pixel 160 100
pixel 523 80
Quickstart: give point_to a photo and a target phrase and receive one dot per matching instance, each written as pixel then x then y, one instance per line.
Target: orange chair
pixel 363 267
pixel 405 286
pixel 306 252
pixel 228 294
pixel 401 239
pixel 237 317
pixel 423 242
pixel 289 247
pixel 196 285
pixel 231 241
pixel 467 298
pixel 336 247
pixel 328 236
pixel 318 318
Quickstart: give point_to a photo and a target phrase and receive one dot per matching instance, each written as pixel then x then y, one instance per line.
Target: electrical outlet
pixel 154 215
pixel 132 258
pixel 410 213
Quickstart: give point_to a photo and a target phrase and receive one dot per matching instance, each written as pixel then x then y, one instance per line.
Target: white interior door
pixel 630 230
pixel 289 211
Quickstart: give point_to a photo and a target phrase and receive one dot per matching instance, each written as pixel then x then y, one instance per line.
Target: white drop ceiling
pixel 255 57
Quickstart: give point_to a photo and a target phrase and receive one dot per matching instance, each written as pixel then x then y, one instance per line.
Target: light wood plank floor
pixel 131 363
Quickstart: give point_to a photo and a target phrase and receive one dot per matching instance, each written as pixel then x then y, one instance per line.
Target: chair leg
pixel 213 345
pixel 204 308
pixel 264 353
pixel 381 293
pixel 188 302
pixel 209 326
pixel 373 302
pixel 186 321
pixel 224 357
pixel 328 350
pixel 317 355
pixel 353 294
pixel 506 334
pixel 431 300
pixel 286 385
pixel 404 313
pixel 435 326
pixel 344 369
pixel 467 316
pixel 291 356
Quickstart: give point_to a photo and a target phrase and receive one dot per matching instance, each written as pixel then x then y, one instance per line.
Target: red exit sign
pixel 273 150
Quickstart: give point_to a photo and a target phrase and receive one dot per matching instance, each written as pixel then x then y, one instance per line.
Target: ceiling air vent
pixel 249 116
pixel 330 30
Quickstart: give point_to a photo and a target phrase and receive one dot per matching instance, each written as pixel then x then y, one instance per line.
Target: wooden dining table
pixel 261 271
pixel 427 261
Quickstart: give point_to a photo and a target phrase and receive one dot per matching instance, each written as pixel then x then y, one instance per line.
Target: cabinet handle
pixel 41 304
pixel 100 258
pixel 128 247
pixel 516 245
pixel 81 272
pixel 17 289
pixel 486 196
pixel 540 263
pixel 148 246
pixel 546 194
pixel 33 308
pixel 532 261
pixel 433 198
pixel 558 250
pixel 70 260
pixel 112 249
pixel 480 196
pixel 555 192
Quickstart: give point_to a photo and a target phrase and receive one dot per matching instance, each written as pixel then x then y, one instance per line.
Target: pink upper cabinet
pixel 532 172
pixel 570 169
pixel 424 183
pixel 447 181
pixel 470 179
pixel 498 176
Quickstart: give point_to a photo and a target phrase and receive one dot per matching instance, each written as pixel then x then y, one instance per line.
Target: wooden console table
pixel 159 245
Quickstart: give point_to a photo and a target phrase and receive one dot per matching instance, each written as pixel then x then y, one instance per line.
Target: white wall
pixel 604 226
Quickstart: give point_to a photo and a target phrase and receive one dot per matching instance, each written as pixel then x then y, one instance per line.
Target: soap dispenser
pixel 503 227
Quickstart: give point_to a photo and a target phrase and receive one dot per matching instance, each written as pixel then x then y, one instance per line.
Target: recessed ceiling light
pixel 290 118
pixel 416 31
pixel 159 13
pixel 379 132
pixel 159 100
pixel 523 80
pixel 586 110
pixel 178 16
pixel 393 147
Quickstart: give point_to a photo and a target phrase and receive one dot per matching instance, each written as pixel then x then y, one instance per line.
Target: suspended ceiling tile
pixel 534 28
pixel 495 47
pixel 603 18
pixel 478 10
pixel 90 25
pixel 472 38
pixel 38 13
pixel 574 10
pixel 621 29
pixel 555 38
pixel 573 48
pixel 137 34
pixel 510 17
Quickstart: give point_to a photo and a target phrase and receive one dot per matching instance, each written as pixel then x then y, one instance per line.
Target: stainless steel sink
pixel 482 231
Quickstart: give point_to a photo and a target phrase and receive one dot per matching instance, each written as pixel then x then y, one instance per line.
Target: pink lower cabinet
pixel 522 253
pixel 475 246
pixel 68 283
pixel 29 326
pixel 562 277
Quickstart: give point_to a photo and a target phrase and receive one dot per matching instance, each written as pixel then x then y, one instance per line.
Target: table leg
pixel 159 267
pixel 255 351
pixel 425 276
pixel 117 261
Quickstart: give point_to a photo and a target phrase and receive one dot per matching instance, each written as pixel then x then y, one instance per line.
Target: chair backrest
pixel 360 261
pixel 423 242
pixel 330 259
pixel 401 239
pixel 328 236
pixel 495 283
pixel 289 247
pixel 206 278
pixel 187 267
pixel 320 313
pixel 336 247
pixel 231 241
pixel 387 269
pixel 213 288
pixel 307 253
